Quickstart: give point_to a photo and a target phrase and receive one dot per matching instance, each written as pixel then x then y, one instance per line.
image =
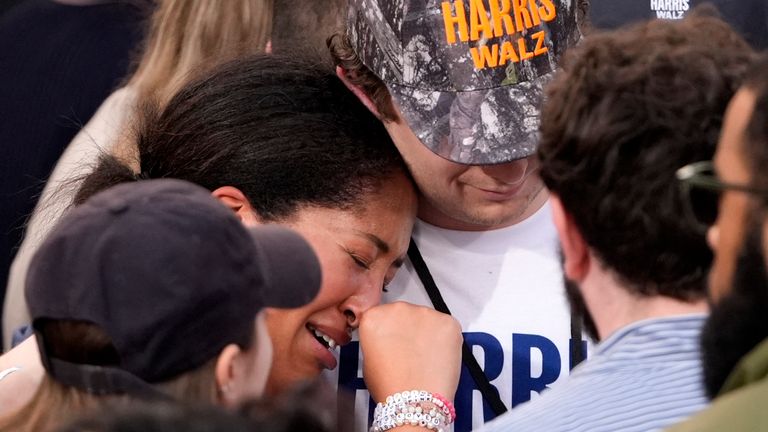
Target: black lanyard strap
pixel 577 324
pixel 490 394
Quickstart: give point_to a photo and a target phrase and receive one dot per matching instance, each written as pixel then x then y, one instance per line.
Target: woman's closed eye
pixel 360 261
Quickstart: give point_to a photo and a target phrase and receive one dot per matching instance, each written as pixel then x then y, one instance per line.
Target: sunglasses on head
pixel 702 189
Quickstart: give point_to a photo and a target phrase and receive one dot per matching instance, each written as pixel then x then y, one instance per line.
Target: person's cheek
pixel 727 239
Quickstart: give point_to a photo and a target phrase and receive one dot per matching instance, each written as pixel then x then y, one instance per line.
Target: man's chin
pixel 491 214
pixel 733 329
pixel 493 218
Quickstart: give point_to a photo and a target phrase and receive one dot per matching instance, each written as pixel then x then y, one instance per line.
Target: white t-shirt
pixel 506 289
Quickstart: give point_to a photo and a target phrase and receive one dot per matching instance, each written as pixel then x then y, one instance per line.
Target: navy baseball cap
pixel 468 76
pixel 169 274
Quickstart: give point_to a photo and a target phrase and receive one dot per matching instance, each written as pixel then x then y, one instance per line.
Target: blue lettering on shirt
pixel 349 362
pixel 523 383
pixel 494 363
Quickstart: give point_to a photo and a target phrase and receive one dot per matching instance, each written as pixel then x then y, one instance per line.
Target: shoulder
pixel 741 410
pixel 119 101
pixel 603 395
pixel 108 121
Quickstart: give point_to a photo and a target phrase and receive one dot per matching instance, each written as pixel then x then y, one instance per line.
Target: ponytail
pixel 113 169
pixel 109 172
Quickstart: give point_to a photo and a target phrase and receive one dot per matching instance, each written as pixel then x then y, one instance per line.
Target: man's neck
pixel 434 216
pixel 613 306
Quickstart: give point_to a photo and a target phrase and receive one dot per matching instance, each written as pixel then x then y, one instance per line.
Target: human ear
pixel 576 258
pixel 243 374
pixel 236 200
pixel 226 382
pixel 357 91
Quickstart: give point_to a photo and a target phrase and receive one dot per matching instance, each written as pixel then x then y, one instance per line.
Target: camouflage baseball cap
pixel 467 75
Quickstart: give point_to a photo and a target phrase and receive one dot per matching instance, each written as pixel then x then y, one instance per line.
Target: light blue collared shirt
pixel 645 377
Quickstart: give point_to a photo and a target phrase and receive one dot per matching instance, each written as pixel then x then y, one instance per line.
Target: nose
pixel 354 307
pixel 353 318
pixel 509 173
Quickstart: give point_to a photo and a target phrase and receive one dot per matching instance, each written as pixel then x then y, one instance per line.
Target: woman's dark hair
pixel 143 417
pixel 627 110
pixel 309 407
pixel 284 132
pixel 82 342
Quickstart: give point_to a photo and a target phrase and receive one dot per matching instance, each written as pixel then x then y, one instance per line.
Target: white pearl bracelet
pixel 415 408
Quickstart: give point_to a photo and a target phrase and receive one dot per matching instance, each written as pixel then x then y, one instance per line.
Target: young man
pixel 736 334
pixel 626 111
pixel 458 85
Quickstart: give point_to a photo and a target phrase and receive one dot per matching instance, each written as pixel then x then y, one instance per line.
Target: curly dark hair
pixel 358 74
pixel 627 110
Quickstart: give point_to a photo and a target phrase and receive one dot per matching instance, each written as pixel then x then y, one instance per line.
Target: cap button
pixel 118 207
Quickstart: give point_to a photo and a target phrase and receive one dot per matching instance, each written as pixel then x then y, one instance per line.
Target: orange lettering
pixel 478 20
pixel 541 47
pixel 522 16
pixel 508 53
pixel 547 10
pixel 524 54
pixel 459 20
pixel 485 55
pixel 534 12
pixel 500 15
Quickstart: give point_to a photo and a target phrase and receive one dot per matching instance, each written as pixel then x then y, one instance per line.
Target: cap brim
pixel 479 127
pixel 290 267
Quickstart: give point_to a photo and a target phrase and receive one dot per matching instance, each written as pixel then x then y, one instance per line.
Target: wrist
pixel 381 394
pixel 415 408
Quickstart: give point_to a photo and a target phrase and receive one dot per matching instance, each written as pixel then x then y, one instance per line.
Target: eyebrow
pixel 376 240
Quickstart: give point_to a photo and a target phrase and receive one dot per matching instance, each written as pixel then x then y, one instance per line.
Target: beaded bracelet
pixel 416 408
